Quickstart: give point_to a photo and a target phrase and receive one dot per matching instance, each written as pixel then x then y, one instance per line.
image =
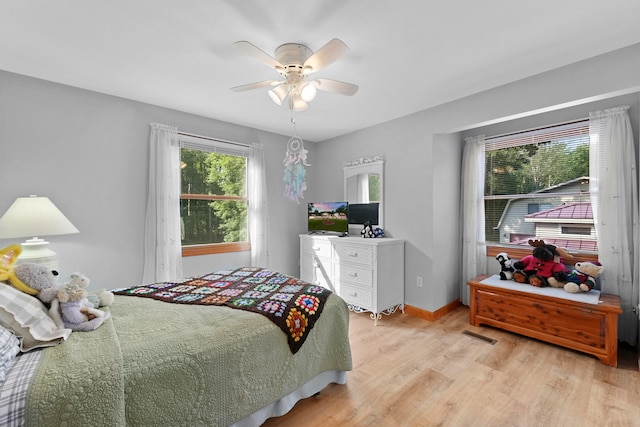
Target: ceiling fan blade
pixel 326 55
pixel 256 85
pixel 336 86
pixel 257 53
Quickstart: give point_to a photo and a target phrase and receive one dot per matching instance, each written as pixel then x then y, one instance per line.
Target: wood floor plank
pixel 408 371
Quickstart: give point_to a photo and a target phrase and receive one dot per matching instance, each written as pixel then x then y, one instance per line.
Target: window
pixel 374 188
pixel 213 201
pixel 537 186
pixel 585 231
pixel 533 208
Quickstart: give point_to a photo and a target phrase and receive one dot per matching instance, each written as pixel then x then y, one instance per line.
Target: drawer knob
pixel 353 254
pixel 353 294
pixel 353 274
pixel 316 248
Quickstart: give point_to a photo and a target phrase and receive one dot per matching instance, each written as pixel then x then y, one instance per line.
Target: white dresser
pixel 367 273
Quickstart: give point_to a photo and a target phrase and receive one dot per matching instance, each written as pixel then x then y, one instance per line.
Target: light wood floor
pixel 412 372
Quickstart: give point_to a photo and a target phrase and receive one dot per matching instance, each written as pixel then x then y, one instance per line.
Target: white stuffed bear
pixel 80 281
pixel 75 311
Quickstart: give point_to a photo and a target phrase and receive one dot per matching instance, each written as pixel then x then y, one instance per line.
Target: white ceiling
pixel 406 55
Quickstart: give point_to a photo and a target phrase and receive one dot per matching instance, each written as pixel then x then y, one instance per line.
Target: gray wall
pixel 423 158
pixel 88 153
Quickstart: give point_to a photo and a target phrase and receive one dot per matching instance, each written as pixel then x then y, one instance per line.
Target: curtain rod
pixel 488 138
pixel 214 139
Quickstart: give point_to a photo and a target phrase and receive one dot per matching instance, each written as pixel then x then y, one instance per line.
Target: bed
pixel 163 363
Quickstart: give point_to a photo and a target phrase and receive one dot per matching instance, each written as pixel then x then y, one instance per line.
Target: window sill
pixel 215 248
pixel 516 253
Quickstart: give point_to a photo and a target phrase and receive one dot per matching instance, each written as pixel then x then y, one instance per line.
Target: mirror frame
pixel 367 165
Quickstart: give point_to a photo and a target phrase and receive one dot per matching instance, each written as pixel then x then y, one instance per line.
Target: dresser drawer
pixel 356 296
pixel 356 254
pixel 319 247
pixel 354 274
pixel 317 270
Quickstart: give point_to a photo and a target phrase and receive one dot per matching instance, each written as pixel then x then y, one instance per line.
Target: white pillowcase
pixel 9 348
pixel 28 319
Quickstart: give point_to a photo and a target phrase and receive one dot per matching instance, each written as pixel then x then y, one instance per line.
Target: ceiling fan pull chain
pixel 293 122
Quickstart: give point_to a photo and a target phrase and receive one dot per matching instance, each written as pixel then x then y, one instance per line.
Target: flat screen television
pixel 328 217
pixel 363 213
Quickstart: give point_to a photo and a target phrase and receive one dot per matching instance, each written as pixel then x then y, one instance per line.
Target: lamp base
pixel 37 251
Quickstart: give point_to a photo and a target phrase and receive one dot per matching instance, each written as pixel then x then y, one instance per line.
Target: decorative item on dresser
pixel 584 323
pixel 367 273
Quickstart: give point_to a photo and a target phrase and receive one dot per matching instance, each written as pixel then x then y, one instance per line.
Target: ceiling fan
pixel 295 62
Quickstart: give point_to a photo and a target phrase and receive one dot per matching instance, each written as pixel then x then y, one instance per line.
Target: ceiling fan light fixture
pixel 296 103
pixel 278 94
pixel 308 92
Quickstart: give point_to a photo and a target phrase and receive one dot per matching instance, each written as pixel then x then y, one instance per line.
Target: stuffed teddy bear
pixel 536 268
pixel 95 299
pixel 77 312
pixel 506 269
pixel 39 278
pixel 30 278
pixel 581 279
pixel 88 303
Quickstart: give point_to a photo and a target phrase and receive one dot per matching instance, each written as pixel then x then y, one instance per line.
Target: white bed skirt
pixel 284 404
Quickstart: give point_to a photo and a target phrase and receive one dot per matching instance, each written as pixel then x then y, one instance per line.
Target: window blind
pixel 576 129
pixel 202 143
pixel 537 186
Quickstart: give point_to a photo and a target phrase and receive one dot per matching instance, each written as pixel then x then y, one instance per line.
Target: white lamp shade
pixel 34 216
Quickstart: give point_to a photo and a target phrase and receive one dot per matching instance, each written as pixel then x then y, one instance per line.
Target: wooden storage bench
pixel 581 326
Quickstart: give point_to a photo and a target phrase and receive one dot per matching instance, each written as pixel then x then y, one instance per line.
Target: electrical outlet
pixel 419 281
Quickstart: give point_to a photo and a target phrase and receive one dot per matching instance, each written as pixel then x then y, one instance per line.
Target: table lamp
pixel 35 216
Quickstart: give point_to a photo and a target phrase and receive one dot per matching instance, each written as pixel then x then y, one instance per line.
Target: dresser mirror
pixel 363 183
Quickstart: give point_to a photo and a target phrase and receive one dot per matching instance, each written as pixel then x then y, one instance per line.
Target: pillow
pixel 9 348
pixel 28 319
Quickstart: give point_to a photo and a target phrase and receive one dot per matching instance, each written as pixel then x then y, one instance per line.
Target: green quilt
pixel 291 303
pixel 158 364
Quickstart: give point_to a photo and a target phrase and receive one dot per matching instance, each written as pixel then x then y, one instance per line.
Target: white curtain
pixel 258 208
pixel 162 242
pixel 474 246
pixel 614 198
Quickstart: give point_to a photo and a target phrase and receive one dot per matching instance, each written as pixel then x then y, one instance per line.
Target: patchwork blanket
pixel 290 303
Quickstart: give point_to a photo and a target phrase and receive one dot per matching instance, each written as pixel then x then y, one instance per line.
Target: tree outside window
pixel 214 199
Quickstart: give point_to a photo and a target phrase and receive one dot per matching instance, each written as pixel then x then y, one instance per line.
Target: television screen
pixel 363 213
pixel 328 217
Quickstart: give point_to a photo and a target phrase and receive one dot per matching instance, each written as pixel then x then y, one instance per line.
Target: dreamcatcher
pixel 294 162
